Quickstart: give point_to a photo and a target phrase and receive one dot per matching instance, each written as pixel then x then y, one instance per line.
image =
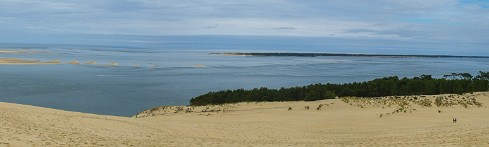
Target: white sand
pixel 256 124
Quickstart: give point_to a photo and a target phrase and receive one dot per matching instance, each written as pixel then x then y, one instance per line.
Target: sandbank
pixel 24 61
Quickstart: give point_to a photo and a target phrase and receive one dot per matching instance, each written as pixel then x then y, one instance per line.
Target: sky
pixel 440 24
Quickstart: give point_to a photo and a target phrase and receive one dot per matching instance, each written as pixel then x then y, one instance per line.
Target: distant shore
pixel 422 120
pixel 347 55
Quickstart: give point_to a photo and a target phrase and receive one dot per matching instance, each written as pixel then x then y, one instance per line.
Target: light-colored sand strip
pixel 6 51
pixel 9 51
pixel 339 122
pixel 24 61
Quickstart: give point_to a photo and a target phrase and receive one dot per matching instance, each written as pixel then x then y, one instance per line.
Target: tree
pixel 425 84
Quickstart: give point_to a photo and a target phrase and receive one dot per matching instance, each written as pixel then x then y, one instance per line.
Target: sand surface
pixel 24 61
pixel 12 52
pixel 405 121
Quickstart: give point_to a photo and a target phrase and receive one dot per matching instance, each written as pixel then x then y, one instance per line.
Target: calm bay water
pixel 146 78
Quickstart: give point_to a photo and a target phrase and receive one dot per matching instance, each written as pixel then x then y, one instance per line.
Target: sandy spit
pixel 406 121
pixel 24 61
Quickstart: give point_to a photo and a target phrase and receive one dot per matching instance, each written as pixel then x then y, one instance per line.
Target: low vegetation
pixel 455 83
pixel 408 104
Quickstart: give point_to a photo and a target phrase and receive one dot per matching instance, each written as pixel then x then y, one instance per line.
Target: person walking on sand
pixel 454 120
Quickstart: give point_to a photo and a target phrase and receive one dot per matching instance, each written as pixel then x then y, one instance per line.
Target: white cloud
pixel 421 20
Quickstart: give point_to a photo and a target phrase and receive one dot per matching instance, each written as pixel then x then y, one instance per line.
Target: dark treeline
pixel 455 83
pixel 350 55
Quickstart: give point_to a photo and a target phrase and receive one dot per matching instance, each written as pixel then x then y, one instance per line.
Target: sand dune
pixel 339 122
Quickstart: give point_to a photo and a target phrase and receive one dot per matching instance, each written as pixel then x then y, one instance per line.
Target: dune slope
pixel 349 121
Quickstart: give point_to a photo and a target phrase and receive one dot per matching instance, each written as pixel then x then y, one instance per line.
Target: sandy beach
pixel 339 122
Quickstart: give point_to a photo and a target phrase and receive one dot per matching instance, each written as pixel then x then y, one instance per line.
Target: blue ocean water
pixel 148 77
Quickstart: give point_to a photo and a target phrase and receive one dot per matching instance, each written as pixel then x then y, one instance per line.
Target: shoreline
pixel 291 54
pixel 339 122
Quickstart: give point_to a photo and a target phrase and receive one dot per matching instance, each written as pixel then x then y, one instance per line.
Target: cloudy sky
pixel 460 23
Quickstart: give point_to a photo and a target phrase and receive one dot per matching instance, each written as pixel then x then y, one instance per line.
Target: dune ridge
pixel 338 122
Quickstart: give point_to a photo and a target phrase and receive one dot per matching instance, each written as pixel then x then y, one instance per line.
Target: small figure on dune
pixel 454 120
pixel 290 108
